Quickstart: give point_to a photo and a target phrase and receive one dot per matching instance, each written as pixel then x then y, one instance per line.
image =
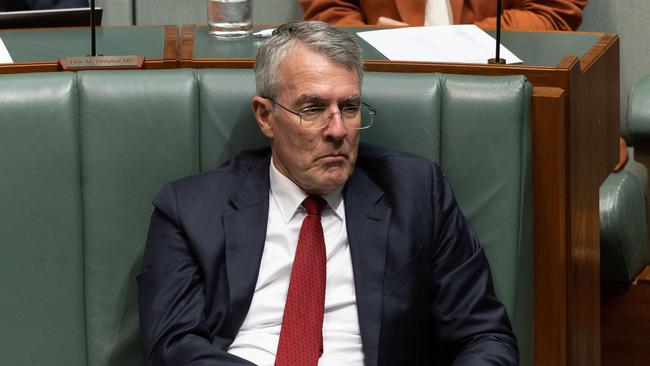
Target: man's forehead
pixel 325 82
pixel 301 58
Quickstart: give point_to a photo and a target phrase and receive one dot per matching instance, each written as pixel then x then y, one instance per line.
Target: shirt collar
pixel 288 196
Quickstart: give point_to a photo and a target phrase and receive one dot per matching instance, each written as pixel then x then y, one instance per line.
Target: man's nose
pixel 336 128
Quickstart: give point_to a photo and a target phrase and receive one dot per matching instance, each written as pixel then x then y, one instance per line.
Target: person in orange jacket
pixel 518 14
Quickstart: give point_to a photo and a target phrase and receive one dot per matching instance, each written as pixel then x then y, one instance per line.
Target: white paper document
pixel 464 43
pixel 5 58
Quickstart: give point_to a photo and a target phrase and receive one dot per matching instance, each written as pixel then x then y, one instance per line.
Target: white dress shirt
pixel 437 12
pixel 257 340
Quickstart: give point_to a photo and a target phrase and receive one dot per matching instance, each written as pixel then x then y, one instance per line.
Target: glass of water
pixel 230 18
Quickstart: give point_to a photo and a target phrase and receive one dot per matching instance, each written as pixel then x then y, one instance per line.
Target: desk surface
pixel 537 49
pixel 38 45
pixel 546 49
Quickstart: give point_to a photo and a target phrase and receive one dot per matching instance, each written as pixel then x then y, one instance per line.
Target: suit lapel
pixel 367 227
pixel 245 234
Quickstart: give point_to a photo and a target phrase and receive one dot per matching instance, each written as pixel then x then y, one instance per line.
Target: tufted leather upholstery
pixel 623 195
pixel 82 155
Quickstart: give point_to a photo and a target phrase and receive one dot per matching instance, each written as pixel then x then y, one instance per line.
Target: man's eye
pixel 350 109
pixel 312 111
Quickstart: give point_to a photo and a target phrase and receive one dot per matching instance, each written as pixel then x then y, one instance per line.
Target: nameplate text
pixel 101 62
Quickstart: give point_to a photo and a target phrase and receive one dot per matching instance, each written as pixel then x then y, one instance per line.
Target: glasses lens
pixel 367 116
pixel 312 118
pixel 356 118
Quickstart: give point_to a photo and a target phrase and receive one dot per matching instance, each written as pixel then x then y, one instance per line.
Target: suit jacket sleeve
pixel 341 12
pixel 539 15
pixel 173 327
pixel 470 322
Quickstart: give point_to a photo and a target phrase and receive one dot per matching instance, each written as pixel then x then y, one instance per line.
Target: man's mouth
pixel 333 158
pixel 334 155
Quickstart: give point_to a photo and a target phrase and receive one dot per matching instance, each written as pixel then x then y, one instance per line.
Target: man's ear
pixel 262 109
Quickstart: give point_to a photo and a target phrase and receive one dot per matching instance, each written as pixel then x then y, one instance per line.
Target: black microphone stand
pixel 93 61
pixel 497 59
pixel 93 41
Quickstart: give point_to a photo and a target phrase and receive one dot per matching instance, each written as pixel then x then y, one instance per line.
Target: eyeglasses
pixel 355 116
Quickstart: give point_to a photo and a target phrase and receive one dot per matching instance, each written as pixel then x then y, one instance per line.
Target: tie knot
pixel 314 204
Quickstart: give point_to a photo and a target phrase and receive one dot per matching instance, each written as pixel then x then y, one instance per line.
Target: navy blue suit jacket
pixel 423 286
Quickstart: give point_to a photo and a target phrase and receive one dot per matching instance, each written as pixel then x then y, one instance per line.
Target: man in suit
pixel 518 14
pixel 16 5
pixel 319 250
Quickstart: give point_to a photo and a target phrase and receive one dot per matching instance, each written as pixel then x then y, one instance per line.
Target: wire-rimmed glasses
pixel 356 116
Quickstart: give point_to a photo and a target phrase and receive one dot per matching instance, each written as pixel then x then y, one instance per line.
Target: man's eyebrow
pixel 310 98
pixel 352 98
pixel 315 99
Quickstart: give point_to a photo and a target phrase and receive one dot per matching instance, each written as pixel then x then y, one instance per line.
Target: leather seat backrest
pixel 138 130
pixel 90 150
pixel 476 127
pixel 41 243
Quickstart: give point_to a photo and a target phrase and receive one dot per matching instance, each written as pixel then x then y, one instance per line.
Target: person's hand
pixel 390 22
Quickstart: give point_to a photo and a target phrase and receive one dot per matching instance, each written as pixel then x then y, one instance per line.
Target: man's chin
pixel 328 185
pixel 336 182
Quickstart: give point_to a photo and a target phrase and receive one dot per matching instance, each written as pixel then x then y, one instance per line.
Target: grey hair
pixel 335 44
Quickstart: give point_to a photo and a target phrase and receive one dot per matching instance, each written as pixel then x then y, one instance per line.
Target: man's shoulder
pixel 205 194
pixel 226 176
pixel 374 155
pixel 390 169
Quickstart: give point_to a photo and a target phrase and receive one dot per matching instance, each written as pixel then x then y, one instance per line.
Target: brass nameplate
pixel 101 62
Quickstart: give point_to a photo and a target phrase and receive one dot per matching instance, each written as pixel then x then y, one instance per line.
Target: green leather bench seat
pixel 623 217
pixel 137 130
pixel 41 244
pixel 623 228
pixel 638 121
pixel 83 155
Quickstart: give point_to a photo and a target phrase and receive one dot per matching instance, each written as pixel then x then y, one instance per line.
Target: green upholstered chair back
pixel 477 128
pixel 83 155
pixel 629 20
pixel 623 223
pixel 116 12
pixel 41 234
pixel 623 217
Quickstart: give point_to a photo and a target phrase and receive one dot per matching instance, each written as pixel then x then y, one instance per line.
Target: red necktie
pixel 301 337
